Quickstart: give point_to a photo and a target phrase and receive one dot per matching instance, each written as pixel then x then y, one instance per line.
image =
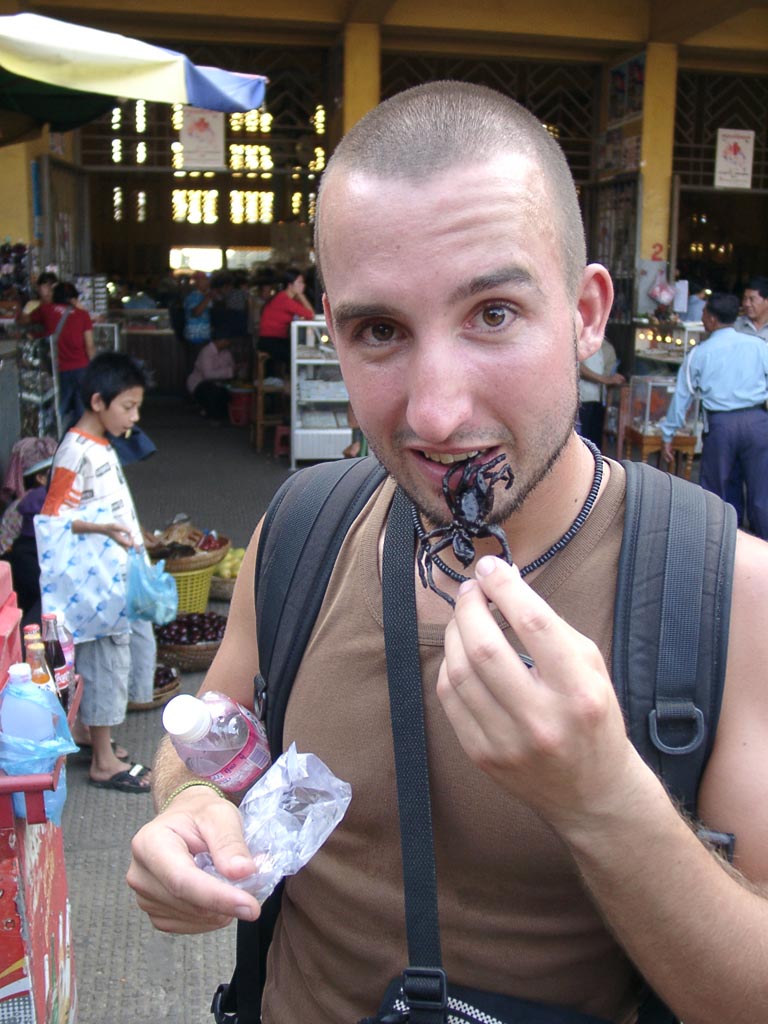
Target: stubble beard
pixel 506 503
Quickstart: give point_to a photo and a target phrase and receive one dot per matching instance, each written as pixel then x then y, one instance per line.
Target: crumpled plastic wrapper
pixel 287 816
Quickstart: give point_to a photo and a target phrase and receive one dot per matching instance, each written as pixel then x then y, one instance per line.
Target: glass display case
pixel 319 425
pixel 666 342
pixel 649 400
pixel 38 391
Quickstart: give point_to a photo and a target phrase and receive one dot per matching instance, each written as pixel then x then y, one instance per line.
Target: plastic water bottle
pixel 218 739
pixel 20 716
pixel 31 712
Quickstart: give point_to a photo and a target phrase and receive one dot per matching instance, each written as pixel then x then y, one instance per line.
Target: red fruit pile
pixel 192 628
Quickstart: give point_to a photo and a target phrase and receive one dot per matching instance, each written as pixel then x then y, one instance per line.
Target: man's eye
pixel 495 316
pixel 379 332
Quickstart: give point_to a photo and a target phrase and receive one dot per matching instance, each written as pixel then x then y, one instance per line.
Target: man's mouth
pixel 448 458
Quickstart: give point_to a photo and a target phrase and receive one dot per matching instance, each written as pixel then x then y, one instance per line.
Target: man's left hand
pixel 553 735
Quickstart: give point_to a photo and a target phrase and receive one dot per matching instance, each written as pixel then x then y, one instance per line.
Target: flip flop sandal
pixel 128 781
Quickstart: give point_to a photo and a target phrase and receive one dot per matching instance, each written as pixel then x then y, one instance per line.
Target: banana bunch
pixel 229 566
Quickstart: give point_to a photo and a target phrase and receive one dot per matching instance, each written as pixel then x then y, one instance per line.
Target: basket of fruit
pixel 225 573
pixel 187 549
pixel 190 642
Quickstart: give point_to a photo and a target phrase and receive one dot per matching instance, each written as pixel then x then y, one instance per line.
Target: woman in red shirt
pixel 274 327
pixel 75 345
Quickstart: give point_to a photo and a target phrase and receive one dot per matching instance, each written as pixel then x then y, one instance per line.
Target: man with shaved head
pixel 458 296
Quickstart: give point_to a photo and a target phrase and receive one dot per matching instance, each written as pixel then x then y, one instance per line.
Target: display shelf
pixel 319 399
pixel 38 389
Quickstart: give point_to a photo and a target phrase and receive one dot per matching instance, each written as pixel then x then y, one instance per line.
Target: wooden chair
pixel 269 403
pixel 683 447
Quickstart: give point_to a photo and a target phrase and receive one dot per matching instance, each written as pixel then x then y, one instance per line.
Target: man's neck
pixel 89 423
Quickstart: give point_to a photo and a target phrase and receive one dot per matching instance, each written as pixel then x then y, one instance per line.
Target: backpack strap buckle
pixel 425 990
pixel 671 714
pixel 220 1015
pixel 260 696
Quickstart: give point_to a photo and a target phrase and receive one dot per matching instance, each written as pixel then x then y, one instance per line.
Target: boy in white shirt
pixel 87 472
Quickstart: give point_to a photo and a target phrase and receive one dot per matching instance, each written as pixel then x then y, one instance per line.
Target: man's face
pixel 755 306
pixel 447 303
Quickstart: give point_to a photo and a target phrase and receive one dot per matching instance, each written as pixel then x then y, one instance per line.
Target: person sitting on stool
pixel 214 364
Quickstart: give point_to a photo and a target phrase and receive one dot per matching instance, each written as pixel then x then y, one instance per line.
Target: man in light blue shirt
pixel 729 371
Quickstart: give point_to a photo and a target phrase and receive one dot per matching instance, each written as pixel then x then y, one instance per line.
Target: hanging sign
pixel 202 136
pixel 733 164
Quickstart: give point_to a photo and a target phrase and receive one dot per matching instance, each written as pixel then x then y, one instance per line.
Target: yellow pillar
pixel 16 195
pixel 362 71
pixel 656 151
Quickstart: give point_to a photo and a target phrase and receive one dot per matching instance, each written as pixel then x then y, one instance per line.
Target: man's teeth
pixel 446 459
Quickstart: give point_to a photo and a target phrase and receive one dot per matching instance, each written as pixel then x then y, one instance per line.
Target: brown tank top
pixel 514 916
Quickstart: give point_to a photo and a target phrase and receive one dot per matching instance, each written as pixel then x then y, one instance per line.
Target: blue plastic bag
pixel 33 734
pixel 151 592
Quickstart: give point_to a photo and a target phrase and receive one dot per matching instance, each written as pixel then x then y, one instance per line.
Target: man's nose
pixel 439 390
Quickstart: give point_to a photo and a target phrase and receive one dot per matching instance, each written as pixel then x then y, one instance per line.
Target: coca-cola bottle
pixel 67 642
pixel 54 655
pixel 218 739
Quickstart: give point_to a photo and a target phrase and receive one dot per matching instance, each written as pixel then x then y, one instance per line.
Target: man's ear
pixel 328 319
pixel 97 403
pixel 593 307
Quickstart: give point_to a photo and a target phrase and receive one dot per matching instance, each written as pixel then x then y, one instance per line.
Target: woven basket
pixel 188 657
pixel 221 589
pixel 194 589
pixel 200 560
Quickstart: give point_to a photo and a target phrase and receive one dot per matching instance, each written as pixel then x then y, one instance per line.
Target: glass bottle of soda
pixel 40 672
pixel 29 634
pixel 54 656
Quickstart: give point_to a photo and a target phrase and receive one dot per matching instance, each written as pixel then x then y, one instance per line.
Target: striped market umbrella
pixel 53 72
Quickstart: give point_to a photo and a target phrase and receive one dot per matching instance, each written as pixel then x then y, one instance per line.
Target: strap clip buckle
pixel 672 713
pixel 425 988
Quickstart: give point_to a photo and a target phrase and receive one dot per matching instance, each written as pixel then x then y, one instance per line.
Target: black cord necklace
pixel 566 538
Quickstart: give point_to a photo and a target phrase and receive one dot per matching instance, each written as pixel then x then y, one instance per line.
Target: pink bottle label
pixel 250 762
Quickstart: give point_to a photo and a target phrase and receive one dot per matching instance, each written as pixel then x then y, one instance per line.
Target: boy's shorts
pixel 105 666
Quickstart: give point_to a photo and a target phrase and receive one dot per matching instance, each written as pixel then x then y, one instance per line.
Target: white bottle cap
pixel 187 718
pixel 20 673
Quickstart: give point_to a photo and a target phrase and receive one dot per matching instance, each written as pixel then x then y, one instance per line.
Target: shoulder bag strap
pixel 424 982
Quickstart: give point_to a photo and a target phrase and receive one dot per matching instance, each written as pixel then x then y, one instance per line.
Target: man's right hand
pixel 666 452
pixel 176 894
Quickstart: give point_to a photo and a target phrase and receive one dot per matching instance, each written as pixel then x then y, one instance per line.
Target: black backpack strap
pixel 303 530
pixel 671 622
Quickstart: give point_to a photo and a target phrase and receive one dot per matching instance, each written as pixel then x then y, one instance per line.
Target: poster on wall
pixel 626 85
pixel 635 85
pixel 202 136
pixel 733 163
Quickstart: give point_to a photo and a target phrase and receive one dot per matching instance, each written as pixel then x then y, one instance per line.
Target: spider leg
pixel 426 549
pixel 447 491
pixel 498 533
pixel 426 561
pixel 434 587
